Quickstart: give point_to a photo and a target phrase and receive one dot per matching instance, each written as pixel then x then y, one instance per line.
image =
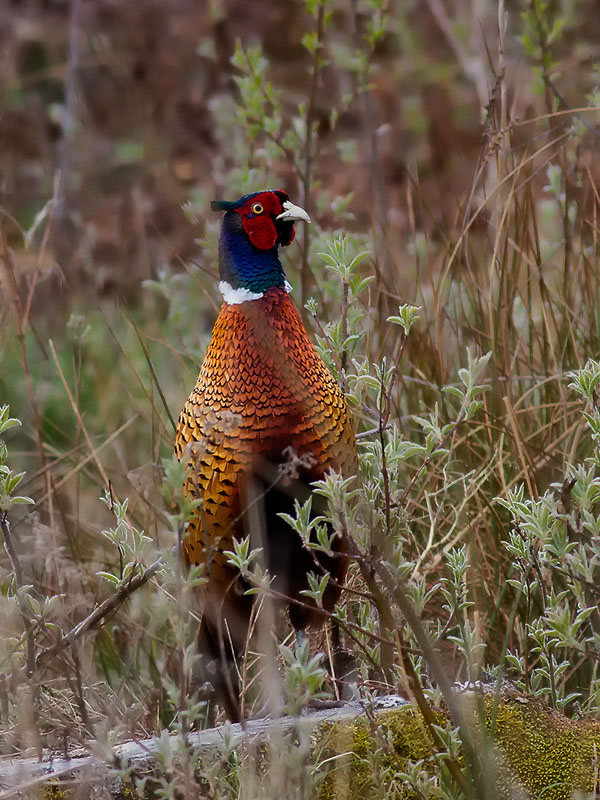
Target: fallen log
pixel 527 751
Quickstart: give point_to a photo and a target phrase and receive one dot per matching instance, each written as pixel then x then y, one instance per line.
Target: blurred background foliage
pixel 118 118
pixel 453 141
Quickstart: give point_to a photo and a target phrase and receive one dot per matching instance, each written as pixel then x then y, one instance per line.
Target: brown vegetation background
pixel 106 107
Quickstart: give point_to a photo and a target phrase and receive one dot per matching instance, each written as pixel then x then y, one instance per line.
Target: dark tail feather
pixel 222 652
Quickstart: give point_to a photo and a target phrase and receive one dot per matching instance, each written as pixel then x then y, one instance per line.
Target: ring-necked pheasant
pixel 263 398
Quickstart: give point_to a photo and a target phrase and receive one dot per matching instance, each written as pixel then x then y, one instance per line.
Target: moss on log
pixel 533 751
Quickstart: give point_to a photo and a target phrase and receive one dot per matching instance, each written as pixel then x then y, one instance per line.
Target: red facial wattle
pixel 261 231
pixel 259 220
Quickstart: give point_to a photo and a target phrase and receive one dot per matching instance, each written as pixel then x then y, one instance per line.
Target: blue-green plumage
pixel 243 265
pixel 254 227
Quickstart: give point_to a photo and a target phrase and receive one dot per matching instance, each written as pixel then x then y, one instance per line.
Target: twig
pixel 71 101
pixel 404 603
pixel 309 153
pixel 371 569
pixel 347 625
pixel 429 717
pixel 383 416
pixel 344 315
pixel 94 619
pixel 592 128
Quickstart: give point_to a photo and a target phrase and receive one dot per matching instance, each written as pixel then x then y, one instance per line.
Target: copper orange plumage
pixel 265 419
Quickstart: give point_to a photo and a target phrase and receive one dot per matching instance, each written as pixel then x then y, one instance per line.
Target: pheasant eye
pixel 257 208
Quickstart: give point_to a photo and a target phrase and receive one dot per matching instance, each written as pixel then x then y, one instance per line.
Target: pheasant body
pixel 265 419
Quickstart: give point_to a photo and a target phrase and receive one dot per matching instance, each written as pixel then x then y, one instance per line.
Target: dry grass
pixel 501 255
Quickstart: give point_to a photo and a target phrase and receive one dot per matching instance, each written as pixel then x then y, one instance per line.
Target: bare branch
pixel 98 615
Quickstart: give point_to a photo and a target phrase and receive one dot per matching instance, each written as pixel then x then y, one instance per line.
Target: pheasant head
pixel 254 227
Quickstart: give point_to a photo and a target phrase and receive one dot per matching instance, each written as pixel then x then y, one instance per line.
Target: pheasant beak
pixel 291 212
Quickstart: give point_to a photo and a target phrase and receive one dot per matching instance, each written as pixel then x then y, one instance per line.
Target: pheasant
pixel 265 419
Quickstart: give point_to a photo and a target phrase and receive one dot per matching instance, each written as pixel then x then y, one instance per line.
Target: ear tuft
pixel 222 205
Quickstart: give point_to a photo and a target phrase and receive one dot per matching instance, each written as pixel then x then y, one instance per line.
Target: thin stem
pixel 18 317
pixel 18 573
pixel 383 403
pixel 344 315
pixel 309 151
